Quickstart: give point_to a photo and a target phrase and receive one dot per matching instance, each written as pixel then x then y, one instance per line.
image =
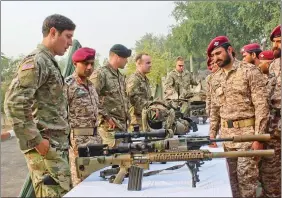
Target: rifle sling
pixel 158 171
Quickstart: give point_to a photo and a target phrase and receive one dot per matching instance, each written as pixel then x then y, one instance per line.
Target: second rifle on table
pixel 167 145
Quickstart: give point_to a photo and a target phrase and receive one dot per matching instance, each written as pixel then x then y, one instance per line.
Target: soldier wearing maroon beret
pixel 265 58
pixel 82 104
pixel 270 169
pixel 251 52
pixel 239 106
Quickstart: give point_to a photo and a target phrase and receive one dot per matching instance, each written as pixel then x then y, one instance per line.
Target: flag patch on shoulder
pixel 27 66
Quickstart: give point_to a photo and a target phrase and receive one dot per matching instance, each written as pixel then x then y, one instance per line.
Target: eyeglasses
pixel 180 65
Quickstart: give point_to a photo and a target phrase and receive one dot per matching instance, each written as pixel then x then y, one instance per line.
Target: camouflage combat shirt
pixel 35 102
pixel 111 89
pixel 175 78
pixel 82 102
pixel 239 94
pixel 275 83
pixel 139 94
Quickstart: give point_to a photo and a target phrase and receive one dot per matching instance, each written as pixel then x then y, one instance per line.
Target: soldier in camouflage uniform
pixel 270 170
pixel 36 107
pixel 83 106
pixel 251 53
pixel 240 106
pixel 179 79
pixel 138 89
pixel 265 58
pixel 213 68
pixel 111 89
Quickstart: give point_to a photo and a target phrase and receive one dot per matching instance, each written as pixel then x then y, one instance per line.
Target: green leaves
pixel 242 21
pixel 162 60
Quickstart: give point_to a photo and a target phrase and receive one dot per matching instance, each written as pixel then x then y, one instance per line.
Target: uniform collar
pixel 115 72
pixel 46 51
pixel 180 74
pixel 142 76
pixel 78 79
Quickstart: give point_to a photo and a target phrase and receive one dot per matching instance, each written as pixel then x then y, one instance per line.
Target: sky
pixel 99 24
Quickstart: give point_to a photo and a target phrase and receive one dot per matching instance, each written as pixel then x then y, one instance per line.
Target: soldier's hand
pixel 257 145
pixel 43 147
pixel 111 123
pixel 213 144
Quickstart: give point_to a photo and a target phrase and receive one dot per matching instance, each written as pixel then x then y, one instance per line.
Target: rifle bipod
pixel 193 167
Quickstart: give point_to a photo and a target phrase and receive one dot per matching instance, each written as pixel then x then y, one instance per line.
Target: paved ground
pixel 13 168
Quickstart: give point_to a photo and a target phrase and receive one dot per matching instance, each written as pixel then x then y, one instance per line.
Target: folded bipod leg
pixel 135 178
pixel 193 170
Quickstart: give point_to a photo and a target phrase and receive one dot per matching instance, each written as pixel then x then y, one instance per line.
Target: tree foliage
pixel 241 21
pixel 198 22
pixel 8 69
pixel 162 60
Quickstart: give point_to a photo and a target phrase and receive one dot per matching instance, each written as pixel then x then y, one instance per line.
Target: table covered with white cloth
pixel 213 175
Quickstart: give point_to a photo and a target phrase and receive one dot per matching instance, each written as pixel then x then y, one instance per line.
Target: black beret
pixel 121 50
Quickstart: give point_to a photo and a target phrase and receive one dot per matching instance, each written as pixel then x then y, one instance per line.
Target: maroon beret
pixel 266 55
pixel 276 32
pixel 217 42
pixel 253 47
pixel 209 63
pixel 83 54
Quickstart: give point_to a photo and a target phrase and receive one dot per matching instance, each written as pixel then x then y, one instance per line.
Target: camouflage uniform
pixel 175 78
pixel 139 94
pixel 240 96
pixel 208 94
pixel 110 87
pixel 83 114
pixel 36 106
pixel 184 80
pixel 270 170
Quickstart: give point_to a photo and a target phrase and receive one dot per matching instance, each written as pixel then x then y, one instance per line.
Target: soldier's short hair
pixel 226 45
pixel 139 56
pixel 179 58
pixel 60 22
pixel 256 52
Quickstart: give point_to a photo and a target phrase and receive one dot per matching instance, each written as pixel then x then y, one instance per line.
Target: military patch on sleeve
pixel 29 65
pixel 27 74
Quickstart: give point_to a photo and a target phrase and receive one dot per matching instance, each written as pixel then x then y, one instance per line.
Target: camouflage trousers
pixel 270 168
pixel 243 171
pixel 50 174
pixel 73 152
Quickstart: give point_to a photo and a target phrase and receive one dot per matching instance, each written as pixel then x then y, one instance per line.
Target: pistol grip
pixel 120 176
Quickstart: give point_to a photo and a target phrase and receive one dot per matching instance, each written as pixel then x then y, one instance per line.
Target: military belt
pixel 238 123
pixel 85 131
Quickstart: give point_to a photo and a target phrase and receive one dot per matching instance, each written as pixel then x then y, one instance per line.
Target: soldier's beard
pixel 276 52
pixel 225 62
pixel 252 61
